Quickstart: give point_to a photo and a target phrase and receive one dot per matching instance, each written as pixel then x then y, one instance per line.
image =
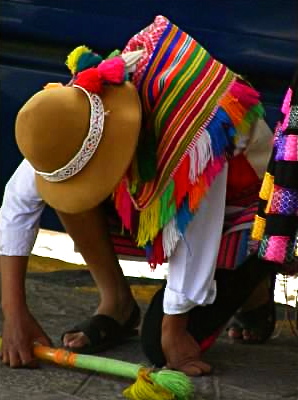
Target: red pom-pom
pixel 109 71
pixel 89 80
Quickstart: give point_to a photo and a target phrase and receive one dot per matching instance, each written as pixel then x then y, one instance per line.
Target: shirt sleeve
pixel 20 213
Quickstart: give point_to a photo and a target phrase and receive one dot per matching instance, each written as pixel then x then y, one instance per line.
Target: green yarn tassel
pixel 175 382
pixel 161 385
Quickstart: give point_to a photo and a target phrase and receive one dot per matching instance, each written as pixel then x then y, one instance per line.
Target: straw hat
pixel 79 143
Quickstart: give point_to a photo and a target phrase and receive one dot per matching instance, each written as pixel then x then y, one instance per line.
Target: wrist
pixel 13 272
pixel 11 309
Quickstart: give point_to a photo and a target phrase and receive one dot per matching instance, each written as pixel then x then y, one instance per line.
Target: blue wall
pixel 257 38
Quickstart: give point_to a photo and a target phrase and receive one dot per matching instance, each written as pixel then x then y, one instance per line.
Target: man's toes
pixel 192 370
pixel 206 368
pixel 78 339
pixel 68 337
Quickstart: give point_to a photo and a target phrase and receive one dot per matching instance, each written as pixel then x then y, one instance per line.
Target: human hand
pixel 20 331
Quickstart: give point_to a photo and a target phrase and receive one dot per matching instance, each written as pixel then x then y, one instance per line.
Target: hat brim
pixel 98 179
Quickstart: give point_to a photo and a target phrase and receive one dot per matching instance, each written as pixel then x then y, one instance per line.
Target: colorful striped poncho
pixel 195 112
pixel 276 222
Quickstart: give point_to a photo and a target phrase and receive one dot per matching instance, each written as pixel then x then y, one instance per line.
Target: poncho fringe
pixel 198 111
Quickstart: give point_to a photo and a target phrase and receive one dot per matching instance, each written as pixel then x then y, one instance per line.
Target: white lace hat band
pixel 89 146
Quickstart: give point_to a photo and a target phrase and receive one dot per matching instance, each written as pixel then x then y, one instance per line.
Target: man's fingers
pixel 4 357
pixel 43 340
pixel 14 360
pixel 27 359
pixel 18 359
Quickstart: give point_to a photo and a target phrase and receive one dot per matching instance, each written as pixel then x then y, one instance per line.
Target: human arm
pixel 20 215
pixel 20 329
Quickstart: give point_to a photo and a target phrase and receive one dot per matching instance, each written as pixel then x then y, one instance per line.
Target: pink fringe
pixel 213 169
pixel 246 95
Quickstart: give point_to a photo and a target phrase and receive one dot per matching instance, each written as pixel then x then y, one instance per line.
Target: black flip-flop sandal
pixel 105 332
pixel 259 322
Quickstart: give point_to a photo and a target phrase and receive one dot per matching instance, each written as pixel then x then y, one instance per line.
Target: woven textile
pixel 276 222
pixel 195 112
pixel 236 244
pixel 241 207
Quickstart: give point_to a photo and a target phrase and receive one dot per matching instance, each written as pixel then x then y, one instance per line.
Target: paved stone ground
pixel 246 372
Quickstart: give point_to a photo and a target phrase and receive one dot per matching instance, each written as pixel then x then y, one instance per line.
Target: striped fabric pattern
pixel 179 90
pixel 235 244
pixel 195 111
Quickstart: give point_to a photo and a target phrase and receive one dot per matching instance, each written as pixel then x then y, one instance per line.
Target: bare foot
pixel 181 350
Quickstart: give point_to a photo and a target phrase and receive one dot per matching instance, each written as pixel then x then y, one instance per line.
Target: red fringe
pixel 181 181
pixel 124 205
pixel 157 255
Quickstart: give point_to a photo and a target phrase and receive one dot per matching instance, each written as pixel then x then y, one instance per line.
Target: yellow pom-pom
pixel 72 58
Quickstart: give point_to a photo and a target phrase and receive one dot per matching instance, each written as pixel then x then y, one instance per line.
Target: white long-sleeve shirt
pixel 20 213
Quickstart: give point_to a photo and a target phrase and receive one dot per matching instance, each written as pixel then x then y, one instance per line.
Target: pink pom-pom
pixel 112 70
pixel 109 71
pixel 89 80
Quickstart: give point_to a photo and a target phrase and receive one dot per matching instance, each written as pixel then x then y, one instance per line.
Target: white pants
pixel 192 265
